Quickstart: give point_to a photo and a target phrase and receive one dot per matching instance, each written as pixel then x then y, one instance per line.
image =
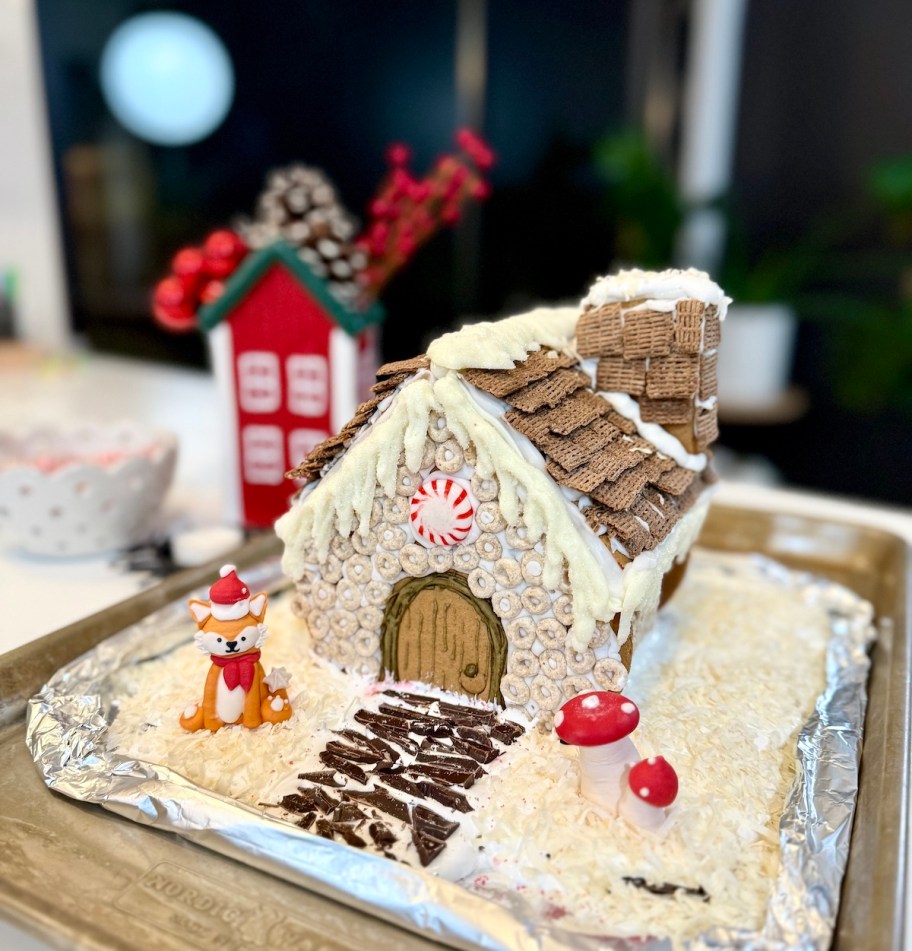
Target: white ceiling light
pixel 167 77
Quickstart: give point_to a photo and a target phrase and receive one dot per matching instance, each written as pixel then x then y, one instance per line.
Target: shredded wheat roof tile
pixel 389 383
pixel 404 366
pixel 549 391
pixel 581 408
pixel 583 443
pixel 623 424
pixel 620 493
pixel 675 481
pixel 538 365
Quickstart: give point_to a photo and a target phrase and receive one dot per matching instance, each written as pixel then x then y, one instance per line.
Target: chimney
pixel 655 337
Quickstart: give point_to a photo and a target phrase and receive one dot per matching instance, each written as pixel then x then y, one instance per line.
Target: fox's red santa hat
pixel 229 595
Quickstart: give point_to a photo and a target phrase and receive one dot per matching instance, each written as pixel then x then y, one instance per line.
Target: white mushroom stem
pixel 639 812
pixel 603 771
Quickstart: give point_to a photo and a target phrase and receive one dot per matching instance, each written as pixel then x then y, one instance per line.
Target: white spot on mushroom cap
pixel 643 792
pixel 559 718
pixel 628 707
pixel 591 701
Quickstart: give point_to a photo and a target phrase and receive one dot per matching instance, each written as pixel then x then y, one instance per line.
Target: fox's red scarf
pixel 238 668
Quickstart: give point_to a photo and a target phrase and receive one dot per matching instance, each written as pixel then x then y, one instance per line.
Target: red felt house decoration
pixel 289 301
pixel 293 364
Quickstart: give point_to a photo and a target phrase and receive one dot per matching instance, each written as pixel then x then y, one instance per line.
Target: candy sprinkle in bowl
pixel 84 489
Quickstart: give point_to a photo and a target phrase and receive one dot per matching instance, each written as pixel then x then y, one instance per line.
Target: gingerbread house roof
pixel 625 485
pixel 637 493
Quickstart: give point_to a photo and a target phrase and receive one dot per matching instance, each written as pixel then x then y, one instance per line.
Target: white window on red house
pixel 301 441
pixel 308 384
pixel 259 386
pixel 263 455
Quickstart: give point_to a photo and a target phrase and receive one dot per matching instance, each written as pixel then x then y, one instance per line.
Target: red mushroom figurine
pixel 652 786
pixel 600 723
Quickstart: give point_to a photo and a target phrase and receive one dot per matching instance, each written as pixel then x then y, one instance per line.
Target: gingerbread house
pixel 501 517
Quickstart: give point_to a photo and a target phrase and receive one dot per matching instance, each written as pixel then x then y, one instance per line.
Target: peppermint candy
pixel 441 512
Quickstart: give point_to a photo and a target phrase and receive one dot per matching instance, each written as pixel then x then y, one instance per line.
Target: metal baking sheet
pixel 76 875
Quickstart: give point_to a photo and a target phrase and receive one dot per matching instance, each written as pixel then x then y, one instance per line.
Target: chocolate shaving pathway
pixel 353 754
pixel 415 746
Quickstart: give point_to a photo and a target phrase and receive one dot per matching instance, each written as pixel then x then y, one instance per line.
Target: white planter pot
pixel 755 359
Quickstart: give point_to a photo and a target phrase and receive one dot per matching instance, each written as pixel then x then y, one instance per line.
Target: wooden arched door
pixel 436 631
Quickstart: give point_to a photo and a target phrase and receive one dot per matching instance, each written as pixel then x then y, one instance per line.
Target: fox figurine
pixel 231 631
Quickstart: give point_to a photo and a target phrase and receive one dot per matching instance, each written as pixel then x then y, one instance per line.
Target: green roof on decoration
pixel 255 266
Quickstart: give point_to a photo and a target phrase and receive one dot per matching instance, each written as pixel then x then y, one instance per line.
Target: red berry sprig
pixel 405 212
pixel 197 279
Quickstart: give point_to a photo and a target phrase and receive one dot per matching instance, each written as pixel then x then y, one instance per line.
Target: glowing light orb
pixel 167 77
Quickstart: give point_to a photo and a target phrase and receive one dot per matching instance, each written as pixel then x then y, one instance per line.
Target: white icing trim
pixel 663 440
pixel 499 344
pixel 668 286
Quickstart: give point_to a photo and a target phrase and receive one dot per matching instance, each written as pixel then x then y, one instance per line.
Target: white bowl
pixel 82 490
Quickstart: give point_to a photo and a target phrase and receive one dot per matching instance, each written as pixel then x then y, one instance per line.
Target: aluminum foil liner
pixel 67 729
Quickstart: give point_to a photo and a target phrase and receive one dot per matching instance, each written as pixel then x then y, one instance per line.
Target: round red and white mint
pixel 441 512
